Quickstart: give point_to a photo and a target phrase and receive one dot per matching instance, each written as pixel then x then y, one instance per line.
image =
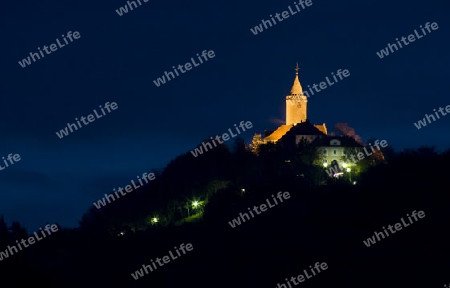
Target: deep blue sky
pixel 118 57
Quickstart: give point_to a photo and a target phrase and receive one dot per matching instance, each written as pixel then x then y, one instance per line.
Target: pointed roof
pixel 289 131
pixel 322 128
pixel 277 134
pixel 296 88
pixel 305 128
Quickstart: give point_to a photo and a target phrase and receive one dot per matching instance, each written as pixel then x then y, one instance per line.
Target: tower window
pixel 334 152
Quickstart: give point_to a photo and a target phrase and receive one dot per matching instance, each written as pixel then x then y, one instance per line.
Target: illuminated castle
pixel 298 127
pixel 296 111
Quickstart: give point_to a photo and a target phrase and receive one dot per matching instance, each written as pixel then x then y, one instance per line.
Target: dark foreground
pixel 317 224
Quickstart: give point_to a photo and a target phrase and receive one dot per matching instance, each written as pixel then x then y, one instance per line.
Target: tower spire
pixel 296 103
pixel 296 88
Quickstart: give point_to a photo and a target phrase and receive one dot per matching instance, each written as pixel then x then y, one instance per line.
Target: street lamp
pixel 325 164
pixel 198 205
pixel 350 173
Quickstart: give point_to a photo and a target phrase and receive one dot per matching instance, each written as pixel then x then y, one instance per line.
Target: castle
pixel 298 128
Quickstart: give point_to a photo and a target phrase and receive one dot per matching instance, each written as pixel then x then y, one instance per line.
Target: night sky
pixel 118 57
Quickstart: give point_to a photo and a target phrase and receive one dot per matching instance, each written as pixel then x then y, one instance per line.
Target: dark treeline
pixel 325 220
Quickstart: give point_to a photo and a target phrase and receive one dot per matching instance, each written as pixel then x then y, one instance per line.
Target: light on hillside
pixel 338 174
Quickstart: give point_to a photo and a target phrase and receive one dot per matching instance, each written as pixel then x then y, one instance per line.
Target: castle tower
pixel 296 103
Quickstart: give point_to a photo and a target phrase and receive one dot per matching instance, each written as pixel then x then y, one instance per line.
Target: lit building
pixel 296 109
pixel 298 127
pixel 333 148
